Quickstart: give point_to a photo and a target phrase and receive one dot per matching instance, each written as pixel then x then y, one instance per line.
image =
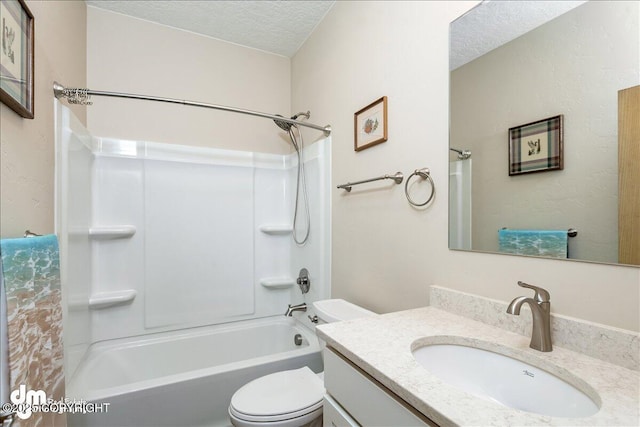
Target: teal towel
pixel 31 276
pixel 547 243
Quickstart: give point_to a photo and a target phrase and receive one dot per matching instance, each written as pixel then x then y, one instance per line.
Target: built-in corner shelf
pixel 276 229
pixel 102 300
pixel 112 232
pixel 277 282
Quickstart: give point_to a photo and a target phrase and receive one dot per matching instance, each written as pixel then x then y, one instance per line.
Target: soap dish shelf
pixel 101 300
pixel 112 232
pixel 277 282
pixel 276 229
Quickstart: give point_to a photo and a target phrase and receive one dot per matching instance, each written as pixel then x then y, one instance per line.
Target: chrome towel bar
pixel 397 177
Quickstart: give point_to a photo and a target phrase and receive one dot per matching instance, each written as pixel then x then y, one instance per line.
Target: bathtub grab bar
pixel 397 177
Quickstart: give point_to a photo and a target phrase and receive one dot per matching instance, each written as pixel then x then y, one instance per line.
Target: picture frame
pixel 16 57
pixel 370 125
pixel 537 146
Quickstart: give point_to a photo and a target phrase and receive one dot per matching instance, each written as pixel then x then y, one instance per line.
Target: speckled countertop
pixel 381 346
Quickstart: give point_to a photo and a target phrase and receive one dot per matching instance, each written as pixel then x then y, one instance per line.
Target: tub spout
pixel 297 307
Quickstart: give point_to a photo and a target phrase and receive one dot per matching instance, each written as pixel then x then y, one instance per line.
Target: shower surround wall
pixel 162 237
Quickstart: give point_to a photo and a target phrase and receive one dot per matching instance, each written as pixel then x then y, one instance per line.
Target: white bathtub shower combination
pixel 186 378
pixel 178 264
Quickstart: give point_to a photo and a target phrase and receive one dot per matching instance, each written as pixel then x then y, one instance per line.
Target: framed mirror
pixel 514 64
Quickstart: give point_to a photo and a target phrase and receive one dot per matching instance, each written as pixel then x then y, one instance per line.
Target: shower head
pixel 287 126
pixel 282 125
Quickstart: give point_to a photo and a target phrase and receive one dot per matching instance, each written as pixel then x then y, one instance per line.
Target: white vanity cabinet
pixel 355 399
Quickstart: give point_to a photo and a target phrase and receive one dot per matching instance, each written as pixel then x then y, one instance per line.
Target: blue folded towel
pixel 547 243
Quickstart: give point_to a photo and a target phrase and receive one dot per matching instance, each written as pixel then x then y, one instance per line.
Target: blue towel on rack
pixel 31 278
pixel 547 243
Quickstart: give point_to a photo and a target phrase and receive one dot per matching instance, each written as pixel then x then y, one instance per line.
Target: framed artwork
pixel 370 125
pixel 16 57
pixel 536 146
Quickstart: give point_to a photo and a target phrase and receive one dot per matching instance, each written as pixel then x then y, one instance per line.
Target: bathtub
pixel 185 378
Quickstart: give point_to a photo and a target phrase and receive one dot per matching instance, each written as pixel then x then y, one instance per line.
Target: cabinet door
pixel 333 415
pixel 367 402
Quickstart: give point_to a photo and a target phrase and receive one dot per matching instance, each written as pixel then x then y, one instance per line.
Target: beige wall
pixel 131 55
pixel 385 254
pixel 27 146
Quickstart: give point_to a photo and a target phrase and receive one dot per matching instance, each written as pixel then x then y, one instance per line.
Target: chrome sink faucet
pixel 541 310
pixel 298 307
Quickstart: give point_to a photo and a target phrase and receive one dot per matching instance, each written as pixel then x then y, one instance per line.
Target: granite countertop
pixel 381 346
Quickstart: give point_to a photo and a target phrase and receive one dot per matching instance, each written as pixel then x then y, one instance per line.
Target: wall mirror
pixel 514 63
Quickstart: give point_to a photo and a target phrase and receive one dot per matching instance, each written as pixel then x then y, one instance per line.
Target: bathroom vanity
pixel 373 377
pixel 355 398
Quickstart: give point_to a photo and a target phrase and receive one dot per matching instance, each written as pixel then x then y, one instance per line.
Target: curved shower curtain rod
pixel 82 96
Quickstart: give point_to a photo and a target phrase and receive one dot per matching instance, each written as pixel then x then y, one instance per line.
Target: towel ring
pixel 424 174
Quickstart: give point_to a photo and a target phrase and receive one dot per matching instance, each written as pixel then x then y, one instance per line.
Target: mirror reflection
pixel 577 64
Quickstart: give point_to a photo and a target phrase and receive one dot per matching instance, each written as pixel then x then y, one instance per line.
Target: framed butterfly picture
pixel 370 125
pixel 536 146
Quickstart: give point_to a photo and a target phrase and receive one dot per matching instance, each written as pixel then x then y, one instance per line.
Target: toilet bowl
pixel 290 398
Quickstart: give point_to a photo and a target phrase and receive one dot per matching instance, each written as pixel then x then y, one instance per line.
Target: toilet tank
pixel 335 310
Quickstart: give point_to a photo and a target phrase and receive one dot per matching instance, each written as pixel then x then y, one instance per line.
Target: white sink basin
pixel 505 380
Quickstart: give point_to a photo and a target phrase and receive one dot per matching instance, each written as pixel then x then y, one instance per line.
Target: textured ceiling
pixel 282 26
pixel 494 23
pixel 279 27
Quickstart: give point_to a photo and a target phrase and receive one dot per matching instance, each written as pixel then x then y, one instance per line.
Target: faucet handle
pixel 542 295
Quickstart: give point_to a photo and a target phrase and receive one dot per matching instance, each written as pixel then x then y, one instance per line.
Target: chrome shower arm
pixel 462 154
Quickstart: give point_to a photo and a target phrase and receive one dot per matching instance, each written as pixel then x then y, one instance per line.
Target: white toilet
pixel 290 398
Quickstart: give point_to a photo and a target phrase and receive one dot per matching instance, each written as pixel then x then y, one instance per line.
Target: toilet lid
pixel 281 395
